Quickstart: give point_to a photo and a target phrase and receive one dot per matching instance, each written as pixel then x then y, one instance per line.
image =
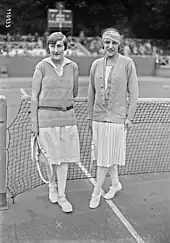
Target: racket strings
pixel 44 167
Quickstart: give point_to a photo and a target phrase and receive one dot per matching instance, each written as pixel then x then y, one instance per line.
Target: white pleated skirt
pixel 109 143
pixel 61 144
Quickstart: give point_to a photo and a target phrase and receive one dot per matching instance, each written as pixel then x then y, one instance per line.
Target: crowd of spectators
pixel 11 45
pixel 129 46
pixel 34 45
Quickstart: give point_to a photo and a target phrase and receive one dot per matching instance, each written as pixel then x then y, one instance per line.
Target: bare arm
pixel 75 87
pixel 36 87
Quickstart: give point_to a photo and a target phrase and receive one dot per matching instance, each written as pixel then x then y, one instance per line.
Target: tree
pixel 153 19
pixel 146 18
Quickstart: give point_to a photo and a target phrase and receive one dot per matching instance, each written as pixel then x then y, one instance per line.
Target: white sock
pixel 114 175
pixel 101 174
pixel 61 171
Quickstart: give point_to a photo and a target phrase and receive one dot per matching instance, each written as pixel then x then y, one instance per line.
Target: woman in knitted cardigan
pixel 112 78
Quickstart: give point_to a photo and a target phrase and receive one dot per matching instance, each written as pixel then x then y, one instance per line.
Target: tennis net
pixel 147 144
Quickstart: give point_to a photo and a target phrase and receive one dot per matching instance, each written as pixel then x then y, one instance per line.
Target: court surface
pixel 139 213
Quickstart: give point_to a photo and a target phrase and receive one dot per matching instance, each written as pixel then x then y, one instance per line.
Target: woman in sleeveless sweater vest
pixel 55 85
pixel 112 78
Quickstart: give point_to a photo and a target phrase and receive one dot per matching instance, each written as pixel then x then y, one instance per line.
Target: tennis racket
pixel 41 158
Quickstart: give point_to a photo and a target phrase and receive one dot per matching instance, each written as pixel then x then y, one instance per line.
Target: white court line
pixel 120 216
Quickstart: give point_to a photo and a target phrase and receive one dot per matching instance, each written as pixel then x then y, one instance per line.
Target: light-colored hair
pixel 113 34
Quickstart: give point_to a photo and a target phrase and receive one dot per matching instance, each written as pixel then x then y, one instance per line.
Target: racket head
pixel 39 156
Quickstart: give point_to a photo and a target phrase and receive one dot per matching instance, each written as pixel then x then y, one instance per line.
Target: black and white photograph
pixel 84 121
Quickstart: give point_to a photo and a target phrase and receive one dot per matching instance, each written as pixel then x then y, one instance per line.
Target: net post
pixel 3 126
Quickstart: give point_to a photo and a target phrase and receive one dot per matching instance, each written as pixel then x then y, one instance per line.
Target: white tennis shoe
pixel 65 205
pixel 112 191
pixel 95 201
pixel 53 195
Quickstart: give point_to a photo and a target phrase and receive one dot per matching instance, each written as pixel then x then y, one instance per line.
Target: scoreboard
pixel 60 19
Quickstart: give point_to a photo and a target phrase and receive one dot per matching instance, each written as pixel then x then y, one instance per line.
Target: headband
pixel 113 35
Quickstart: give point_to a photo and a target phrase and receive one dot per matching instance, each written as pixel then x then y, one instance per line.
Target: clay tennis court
pixel 139 213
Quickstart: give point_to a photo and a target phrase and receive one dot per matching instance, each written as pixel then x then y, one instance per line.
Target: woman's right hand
pixel 90 121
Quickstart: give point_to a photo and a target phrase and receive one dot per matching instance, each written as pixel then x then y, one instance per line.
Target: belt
pixel 55 108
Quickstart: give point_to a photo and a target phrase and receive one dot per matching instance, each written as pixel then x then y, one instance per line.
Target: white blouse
pixel 108 69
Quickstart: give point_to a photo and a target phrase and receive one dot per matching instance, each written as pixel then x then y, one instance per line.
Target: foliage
pixel 144 18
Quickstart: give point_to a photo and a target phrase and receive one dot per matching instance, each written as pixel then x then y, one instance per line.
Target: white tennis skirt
pixel 61 144
pixel 109 143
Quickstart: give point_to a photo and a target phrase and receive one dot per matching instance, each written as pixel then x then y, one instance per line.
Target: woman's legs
pixel 116 185
pixel 113 172
pixel 61 171
pixel 101 175
pixel 53 195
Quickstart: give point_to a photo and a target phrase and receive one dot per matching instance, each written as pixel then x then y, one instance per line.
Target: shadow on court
pixel 144 205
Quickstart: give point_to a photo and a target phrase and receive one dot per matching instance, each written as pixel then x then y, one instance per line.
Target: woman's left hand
pixel 128 124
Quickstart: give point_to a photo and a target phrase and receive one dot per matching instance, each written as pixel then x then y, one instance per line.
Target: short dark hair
pixel 57 36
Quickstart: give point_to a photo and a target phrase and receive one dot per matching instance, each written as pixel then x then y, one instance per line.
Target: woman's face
pixel 57 50
pixel 110 47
